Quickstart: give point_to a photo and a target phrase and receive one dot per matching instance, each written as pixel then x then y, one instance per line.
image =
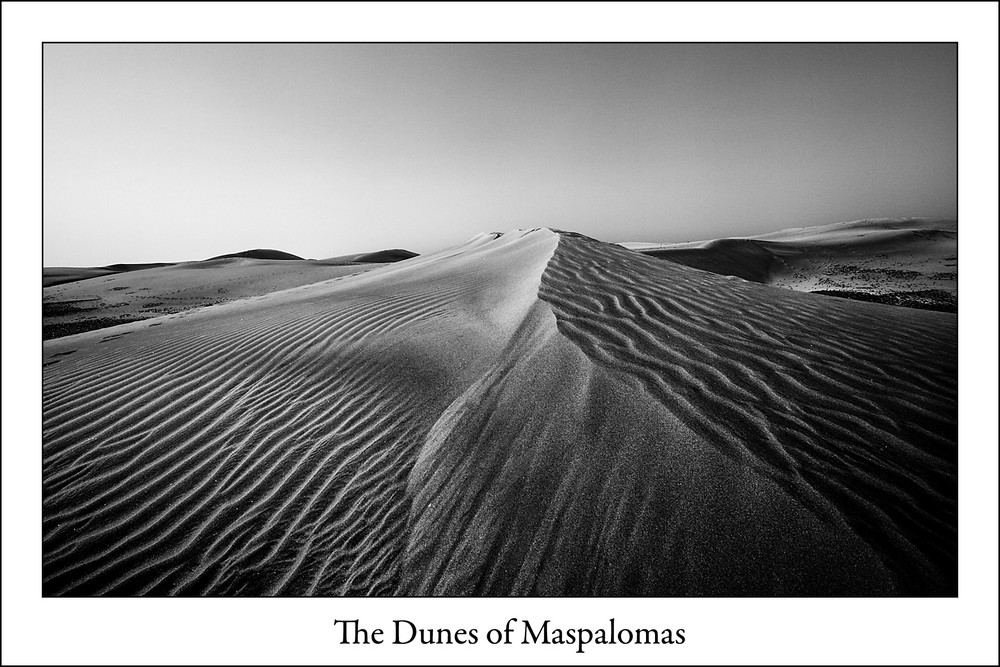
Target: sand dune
pixel 904 261
pixel 528 413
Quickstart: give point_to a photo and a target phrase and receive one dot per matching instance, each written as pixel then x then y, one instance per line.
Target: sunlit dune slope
pixel 529 413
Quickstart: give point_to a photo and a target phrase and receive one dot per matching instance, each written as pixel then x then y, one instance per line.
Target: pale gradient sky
pixel 178 152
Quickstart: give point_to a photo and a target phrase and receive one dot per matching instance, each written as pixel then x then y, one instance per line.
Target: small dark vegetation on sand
pixel 61 329
pixel 57 308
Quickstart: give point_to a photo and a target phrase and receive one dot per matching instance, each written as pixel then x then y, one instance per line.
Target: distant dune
pixel 533 413
pixel 58 275
pixel 378 257
pixel 258 254
pixel 905 261
pixel 395 255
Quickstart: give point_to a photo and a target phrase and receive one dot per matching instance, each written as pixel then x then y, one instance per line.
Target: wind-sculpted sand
pixel 529 413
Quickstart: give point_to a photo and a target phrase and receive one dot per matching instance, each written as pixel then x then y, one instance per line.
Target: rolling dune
pixel 529 413
pixel 901 261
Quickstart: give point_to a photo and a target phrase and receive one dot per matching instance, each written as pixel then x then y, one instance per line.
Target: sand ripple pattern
pixel 850 407
pixel 235 460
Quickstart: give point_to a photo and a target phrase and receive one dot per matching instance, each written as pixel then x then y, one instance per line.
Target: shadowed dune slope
pixel 534 413
pixel 743 258
pixel 377 257
pixel 383 256
pixel 849 409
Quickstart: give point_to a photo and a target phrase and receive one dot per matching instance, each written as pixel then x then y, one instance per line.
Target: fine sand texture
pixel 530 413
pixel 901 261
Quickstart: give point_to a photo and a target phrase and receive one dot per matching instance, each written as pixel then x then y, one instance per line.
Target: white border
pixel 755 631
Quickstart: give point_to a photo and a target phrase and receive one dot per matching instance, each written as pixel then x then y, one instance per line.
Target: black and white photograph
pixel 578 319
pixel 526 319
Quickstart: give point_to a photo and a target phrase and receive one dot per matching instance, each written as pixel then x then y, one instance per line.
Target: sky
pixel 177 152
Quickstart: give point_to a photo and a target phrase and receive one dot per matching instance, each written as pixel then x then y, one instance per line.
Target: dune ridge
pixel 528 413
